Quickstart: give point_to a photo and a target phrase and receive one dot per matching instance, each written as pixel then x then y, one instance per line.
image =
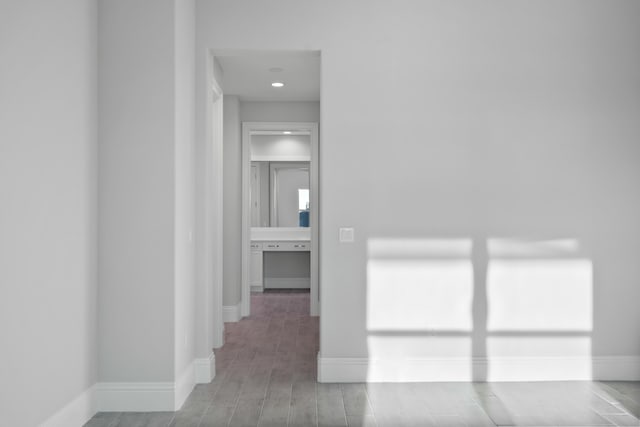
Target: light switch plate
pixel 346 235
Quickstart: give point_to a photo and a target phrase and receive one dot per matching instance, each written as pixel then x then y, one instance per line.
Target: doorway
pixel 291 208
pixel 276 88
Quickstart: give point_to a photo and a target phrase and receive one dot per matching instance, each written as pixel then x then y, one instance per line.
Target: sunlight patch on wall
pixel 531 301
pixel 530 248
pixel 419 248
pixel 540 346
pixel 390 346
pixel 540 310
pixel 540 294
pixel 419 285
pixel 558 358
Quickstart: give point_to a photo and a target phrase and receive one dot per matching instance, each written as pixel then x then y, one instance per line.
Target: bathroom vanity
pixel 280 258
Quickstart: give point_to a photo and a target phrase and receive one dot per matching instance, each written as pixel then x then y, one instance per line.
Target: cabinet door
pixel 256 269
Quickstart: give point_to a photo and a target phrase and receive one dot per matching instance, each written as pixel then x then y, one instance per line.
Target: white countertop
pixel 280 233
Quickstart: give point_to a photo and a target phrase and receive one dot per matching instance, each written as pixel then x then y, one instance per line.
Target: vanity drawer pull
pixel 273 246
pixel 299 246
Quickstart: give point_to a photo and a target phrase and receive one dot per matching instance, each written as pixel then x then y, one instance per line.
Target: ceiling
pixel 249 74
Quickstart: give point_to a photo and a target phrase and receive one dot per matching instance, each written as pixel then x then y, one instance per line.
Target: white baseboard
pixel 143 397
pixel 157 396
pixel 205 369
pixel 135 397
pixel 616 368
pixel 75 413
pixel 479 369
pixel 184 385
pixel 231 313
pixel 287 282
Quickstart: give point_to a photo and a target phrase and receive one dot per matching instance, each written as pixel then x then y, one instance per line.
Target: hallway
pixel 266 376
pixel 266 370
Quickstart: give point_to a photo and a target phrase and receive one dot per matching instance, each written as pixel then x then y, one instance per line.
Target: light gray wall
pixel 48 183
pixel 145 143
pixel 184 87
pixel 481 119
pixel 232 215
pixel 282 111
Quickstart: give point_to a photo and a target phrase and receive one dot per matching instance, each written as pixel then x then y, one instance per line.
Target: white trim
pixel 208 214
pixel 279 158
pixel 215 210
pixel 616 368
pixel 287 282
pixel 314 221
pixel 204 369
pixel 135 397
pixel 75 413
pixel 342 369
pixel 608 368
pixel 231 313
pixel 245 305
pixel 184 385
pixel 312 128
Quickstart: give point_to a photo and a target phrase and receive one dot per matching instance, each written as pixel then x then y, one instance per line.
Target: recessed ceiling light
pixel 287 132
pixel 277 84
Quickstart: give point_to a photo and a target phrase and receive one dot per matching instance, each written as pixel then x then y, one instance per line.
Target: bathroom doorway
pixel 280 209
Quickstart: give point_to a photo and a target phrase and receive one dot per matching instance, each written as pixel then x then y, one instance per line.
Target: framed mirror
pixel 280 194
pixel 280 180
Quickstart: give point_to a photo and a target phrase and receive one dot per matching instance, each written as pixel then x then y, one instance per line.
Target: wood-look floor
pixel 266 376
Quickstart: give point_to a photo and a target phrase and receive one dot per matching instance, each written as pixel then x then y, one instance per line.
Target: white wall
pixel 48 143
pixel 466 120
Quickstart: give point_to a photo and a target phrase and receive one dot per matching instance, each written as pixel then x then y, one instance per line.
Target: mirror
pixel 279 193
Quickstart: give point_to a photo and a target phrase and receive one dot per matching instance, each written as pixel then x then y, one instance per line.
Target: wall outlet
pixel 347 235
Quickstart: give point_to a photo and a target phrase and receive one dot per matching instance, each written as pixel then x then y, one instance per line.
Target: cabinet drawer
pixel 299 246
pixel 286 246
pixel 256 246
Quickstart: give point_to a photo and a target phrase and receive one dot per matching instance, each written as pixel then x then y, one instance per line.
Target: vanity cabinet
pixel 285 246
pixel 255 276
pixel 263 275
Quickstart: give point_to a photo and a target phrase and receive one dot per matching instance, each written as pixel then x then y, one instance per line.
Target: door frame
pixel 314 179
pixel 209 326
